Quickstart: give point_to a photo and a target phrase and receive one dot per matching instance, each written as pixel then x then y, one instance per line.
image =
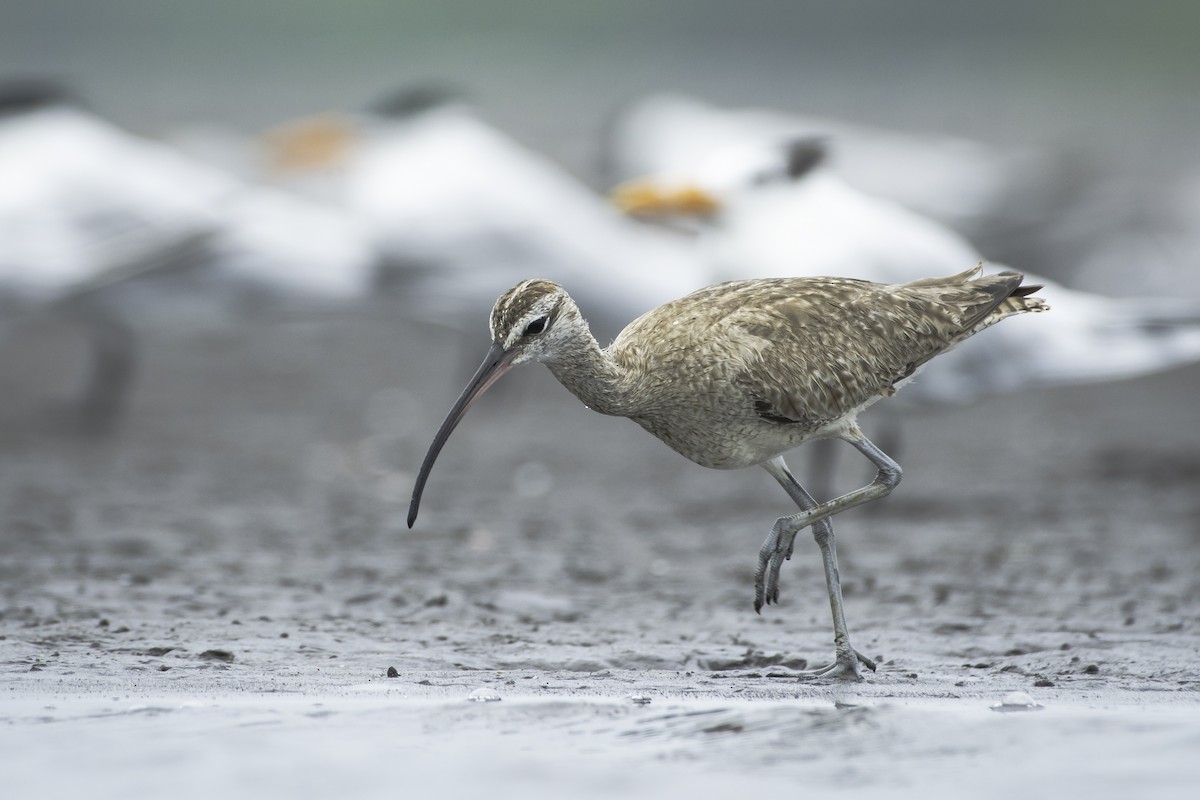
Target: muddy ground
pixel 210 598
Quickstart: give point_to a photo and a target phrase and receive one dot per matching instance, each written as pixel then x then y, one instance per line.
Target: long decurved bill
pixel 497 362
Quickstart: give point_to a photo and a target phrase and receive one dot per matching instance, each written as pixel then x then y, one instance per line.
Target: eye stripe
pixel 519 301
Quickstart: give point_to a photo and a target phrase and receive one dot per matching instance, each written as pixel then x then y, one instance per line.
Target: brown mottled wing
pixel 829 345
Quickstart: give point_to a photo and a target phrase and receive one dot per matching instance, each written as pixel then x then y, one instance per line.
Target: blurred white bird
pixel 1004 199
pixel 83 203
pixel 73 208
pixel 85 206
pixel 775 211
pixel 462 212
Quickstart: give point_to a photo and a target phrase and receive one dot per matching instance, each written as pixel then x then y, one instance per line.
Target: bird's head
pixel 534 321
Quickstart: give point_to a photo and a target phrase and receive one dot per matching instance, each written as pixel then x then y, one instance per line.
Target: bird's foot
pixel 847 667
pixel 775 550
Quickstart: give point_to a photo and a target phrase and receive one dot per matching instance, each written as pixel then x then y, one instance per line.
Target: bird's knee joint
pixel 889 477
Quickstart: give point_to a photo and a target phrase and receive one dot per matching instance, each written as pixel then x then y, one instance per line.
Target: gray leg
pixel 774 552
pixel 889 435
pixel 848 661
pixel 887 477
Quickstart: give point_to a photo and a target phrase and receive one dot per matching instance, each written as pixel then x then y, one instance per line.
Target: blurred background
pixel 247 250
pixel 1102 76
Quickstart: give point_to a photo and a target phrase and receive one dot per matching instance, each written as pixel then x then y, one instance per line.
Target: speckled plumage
pixel 739 373
pixel 734 374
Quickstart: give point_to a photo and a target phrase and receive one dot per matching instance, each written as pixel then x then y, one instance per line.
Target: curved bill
pixel 497 362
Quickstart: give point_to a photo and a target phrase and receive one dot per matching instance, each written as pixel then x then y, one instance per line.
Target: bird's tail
pixel 1019 301
pixel 984 300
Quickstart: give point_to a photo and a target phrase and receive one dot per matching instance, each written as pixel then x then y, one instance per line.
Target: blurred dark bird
pixel 737 374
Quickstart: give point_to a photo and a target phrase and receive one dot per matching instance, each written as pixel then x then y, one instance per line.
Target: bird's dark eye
pixel 535 327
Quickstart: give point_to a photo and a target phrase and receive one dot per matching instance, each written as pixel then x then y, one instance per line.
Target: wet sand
pixel 210 599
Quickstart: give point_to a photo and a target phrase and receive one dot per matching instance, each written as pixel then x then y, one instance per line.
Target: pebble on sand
pixel 484 695
pixel 1017 701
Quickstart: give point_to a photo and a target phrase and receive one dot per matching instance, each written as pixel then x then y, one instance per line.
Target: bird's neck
pixel 593 376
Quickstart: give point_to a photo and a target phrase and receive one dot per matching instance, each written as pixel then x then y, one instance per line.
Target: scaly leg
pixel 887 477
pixel 779 545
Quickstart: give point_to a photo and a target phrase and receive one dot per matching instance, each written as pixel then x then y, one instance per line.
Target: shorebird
pixel 739 373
